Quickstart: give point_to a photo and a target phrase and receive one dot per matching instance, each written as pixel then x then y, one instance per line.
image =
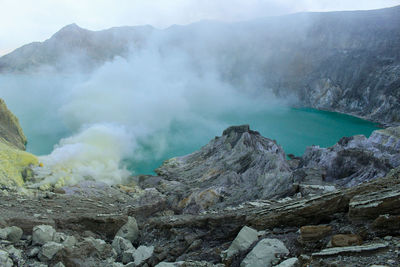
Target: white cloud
pixel 24 21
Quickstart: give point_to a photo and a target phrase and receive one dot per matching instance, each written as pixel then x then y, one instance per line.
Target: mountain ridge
pixel 345 61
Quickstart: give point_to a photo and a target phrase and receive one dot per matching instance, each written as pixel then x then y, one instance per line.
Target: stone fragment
pixel 33 252
pixel 129 230
pixel 387 223
pixel 69 241
pixel 370 206
pixel 292 262
pixel 42 234
pixel 99 244
pixel 142 253
pixel 189 264
pixel 127 255
pixel 265 253
pixel 346 240
pixel 59 237
pixel 352 249
pixel 15 253
pixel 312 233
pixel 245 238
pixel 12 234
pixel 5 259
pixel 38 264
pixel 60 264
pixel 121 244
pixel 48 251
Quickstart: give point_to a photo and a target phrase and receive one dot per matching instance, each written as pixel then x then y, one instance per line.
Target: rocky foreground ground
pixel 238 201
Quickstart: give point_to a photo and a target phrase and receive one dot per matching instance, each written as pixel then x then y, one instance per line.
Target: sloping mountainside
pixel 340 61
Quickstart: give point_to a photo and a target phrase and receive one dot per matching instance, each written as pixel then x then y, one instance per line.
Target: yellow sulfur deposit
pixel 12 163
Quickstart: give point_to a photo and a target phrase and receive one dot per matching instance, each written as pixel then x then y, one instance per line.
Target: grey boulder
pixel 42 234
pixel 49 250
pixel 245 238
pixel 130 230
pixel 12 234
pixel 265 253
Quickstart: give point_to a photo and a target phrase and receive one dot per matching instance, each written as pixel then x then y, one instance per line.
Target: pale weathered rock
pixel 33 252
pixel 142 253
pixel 60 264
pixel 48 250
pixel 5 259
pixel 121 244
pixel 245 238
pixel 352 249
pixel 15 253
pixel 312 233
pixel 265 253
pixel 357 159
pixel 38 264
pixel 12 234
pixel 188 264
pixel 292 262
pixel 346 240
pixel 59 237
pixel 42 234
pixel 69 241
pixel 129 231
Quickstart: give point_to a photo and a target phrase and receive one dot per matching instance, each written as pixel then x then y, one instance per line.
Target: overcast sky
pixel 25 21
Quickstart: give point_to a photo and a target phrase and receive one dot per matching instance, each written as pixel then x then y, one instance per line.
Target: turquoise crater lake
pixel 293 128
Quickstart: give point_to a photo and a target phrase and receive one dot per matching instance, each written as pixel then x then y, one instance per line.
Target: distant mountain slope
pixel 341 61
pixel 73 47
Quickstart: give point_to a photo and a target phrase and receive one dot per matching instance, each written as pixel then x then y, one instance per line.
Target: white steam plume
pixel 125 110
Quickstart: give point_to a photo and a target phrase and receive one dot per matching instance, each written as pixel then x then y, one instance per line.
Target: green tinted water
pixel 293 128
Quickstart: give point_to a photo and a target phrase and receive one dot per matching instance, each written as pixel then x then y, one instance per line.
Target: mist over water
pixel 130 114
pixel 125 112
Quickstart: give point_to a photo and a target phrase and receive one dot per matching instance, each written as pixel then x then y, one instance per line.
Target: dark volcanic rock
pixel 240 165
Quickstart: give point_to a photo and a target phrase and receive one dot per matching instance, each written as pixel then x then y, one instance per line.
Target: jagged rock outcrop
pixel 353 160
pixel 238 166
pixel 14 162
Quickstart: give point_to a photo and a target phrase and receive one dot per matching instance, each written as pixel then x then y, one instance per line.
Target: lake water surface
pixel 293 128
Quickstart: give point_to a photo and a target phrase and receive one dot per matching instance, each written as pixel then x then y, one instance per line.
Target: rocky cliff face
pixel 14 162
pixel 353 160
pixel 339 61
pixel 10 130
